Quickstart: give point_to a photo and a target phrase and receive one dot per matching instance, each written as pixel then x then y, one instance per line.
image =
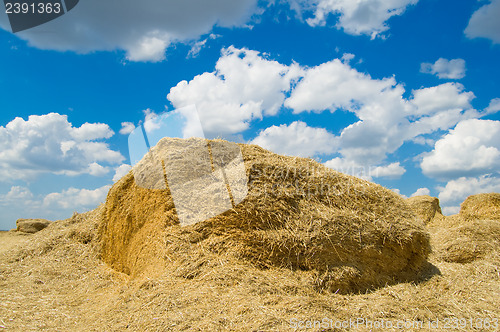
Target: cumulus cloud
pixel 121 171
pixel 366 172
pixel 386 118
pixel 50 144
pixel 484 23
pixel 444 97
pixel 494 106
pixel 20 202
pixel 421 192
pixel 394 171
pixel 245 86
pixel 127 128
pixel 296 139
pixel 472 148
pixel 76 199
pixel 332 85
pixel 234 95
pixel 16 193
pixel 367 17
pixel 456 191
pixel 143 29
pixel 444 68
pixel 397 191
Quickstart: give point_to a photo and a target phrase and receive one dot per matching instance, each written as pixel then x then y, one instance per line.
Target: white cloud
pixel 127 128
pixel 196 48
pixel 368 17
pixel 441 98
pixel 76 199
pixel 444 68
pixel 50 144
pixel 484 23
pixel 149 48
pixel 121 171
pixel 150 120
pixel 494 106
pixel 366 172
pixel 397 191
pixel 296 139
pixel 97 170
pixel 91 131
pixel 421 192
pixel 472 148
pixel 20 202
pixel 386 118
pixel 16 193
pixel 394 170
pixel 450 210
pixel 456 191
pixel 244 87
pixel 334 84
pixel 347 57
pixel 233 96
pixel 144 29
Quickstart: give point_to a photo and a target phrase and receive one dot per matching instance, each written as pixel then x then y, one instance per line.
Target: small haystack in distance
pixel 425 207
pixel 334 231
pixel 481 206
pixel 31 225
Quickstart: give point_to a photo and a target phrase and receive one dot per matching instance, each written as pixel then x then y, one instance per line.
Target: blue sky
pixel 404 93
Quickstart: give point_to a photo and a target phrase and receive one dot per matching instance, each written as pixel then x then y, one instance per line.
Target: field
pixel 53 281
pixel 105 271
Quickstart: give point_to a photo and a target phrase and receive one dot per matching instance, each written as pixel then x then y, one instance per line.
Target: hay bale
pixel 472 234
pixel 348 234
pixel 425 207
pixel 31 225
pixel 481 206
pixel 458 241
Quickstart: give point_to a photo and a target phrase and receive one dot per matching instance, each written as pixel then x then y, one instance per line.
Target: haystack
pixel 345 234
pixel 472 234
pixel 31 225
pixel 425 207
pixel 458 241
pixel 481 206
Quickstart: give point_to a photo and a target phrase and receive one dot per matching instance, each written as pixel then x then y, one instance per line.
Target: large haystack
pixel 343 233
pixel 425 207
pixel 481 206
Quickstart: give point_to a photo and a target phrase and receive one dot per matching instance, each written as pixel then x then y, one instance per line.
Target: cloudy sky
pixel 404 93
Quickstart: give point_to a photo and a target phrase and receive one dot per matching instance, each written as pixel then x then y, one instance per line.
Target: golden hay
pixel 465 241
pixel 425 207
pixel 31 225
pixel 54 280
pixel 334 231
pixel 481 206
pixel 472 234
